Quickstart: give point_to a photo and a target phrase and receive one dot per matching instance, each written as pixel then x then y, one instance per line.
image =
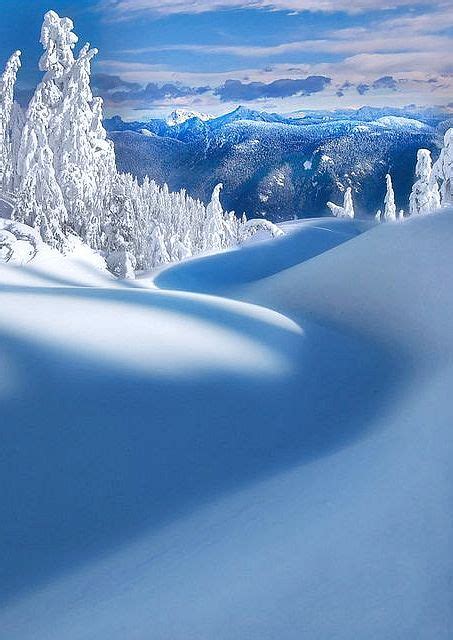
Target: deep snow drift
pixel 256 444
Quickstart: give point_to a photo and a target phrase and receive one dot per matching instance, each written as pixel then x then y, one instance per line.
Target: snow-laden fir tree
pixel 425 196
pixel 347 210
pixel 82 159
pixel 40 202
pixel 8 121
pixel 443 169
pixel 214 227
pixel 85 160
pixel 389 201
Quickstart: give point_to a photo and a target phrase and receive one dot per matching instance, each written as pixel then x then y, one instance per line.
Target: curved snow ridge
pixel 392 284
pixel 218 273
pixel 175 334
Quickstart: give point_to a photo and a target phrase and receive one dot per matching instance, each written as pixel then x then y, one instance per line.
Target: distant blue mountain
pixel 282 166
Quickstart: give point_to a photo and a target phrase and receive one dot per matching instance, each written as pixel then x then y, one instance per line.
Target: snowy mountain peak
pixel 179 116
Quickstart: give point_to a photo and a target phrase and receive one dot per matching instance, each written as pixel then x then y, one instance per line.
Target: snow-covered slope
pixel 271 464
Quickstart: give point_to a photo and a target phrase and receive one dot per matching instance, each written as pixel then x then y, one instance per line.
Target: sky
pixel 274 55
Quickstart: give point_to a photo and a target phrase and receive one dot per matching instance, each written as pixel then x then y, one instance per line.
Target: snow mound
pixel 273 461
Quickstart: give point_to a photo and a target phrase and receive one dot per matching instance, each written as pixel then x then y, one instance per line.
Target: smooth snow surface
pixel 252 445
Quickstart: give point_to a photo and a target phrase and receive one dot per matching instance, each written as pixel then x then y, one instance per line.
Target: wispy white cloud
pixel 128 9
pixel 347 42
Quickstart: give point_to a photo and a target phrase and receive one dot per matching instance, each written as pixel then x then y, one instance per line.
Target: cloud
pixel 235 90
pixel 362 88
pixel 129 9
pixel 116 90
pixel 105 83
pixel 386 82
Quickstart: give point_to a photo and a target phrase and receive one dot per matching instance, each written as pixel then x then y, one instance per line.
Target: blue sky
pixel 277 55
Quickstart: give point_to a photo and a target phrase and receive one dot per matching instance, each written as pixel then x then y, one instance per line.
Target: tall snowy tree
pixel 214 231
pixel 443 169
pixel 347 210
pixel 8 132
pixel 389 201
pixel 69 120
pixel 84 159
pixel 425 196
pixel 40 202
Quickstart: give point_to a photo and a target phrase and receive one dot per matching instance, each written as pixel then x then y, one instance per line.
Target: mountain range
pixel 282 166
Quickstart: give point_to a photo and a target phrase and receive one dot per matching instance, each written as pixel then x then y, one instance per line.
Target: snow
pixel 425 195
pixel 389 201
pixel 254 444
pixel 347 210
pixel 179 116
pixel 399 122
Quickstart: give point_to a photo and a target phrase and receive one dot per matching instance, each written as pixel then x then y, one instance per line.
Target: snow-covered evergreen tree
pixel 443 169
pixel 8 121
pixel 347 210
pixel 40 202
pixel 425 196
pixel 214 228
pixel 389 201
pixel 69 121
pixel 86 161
